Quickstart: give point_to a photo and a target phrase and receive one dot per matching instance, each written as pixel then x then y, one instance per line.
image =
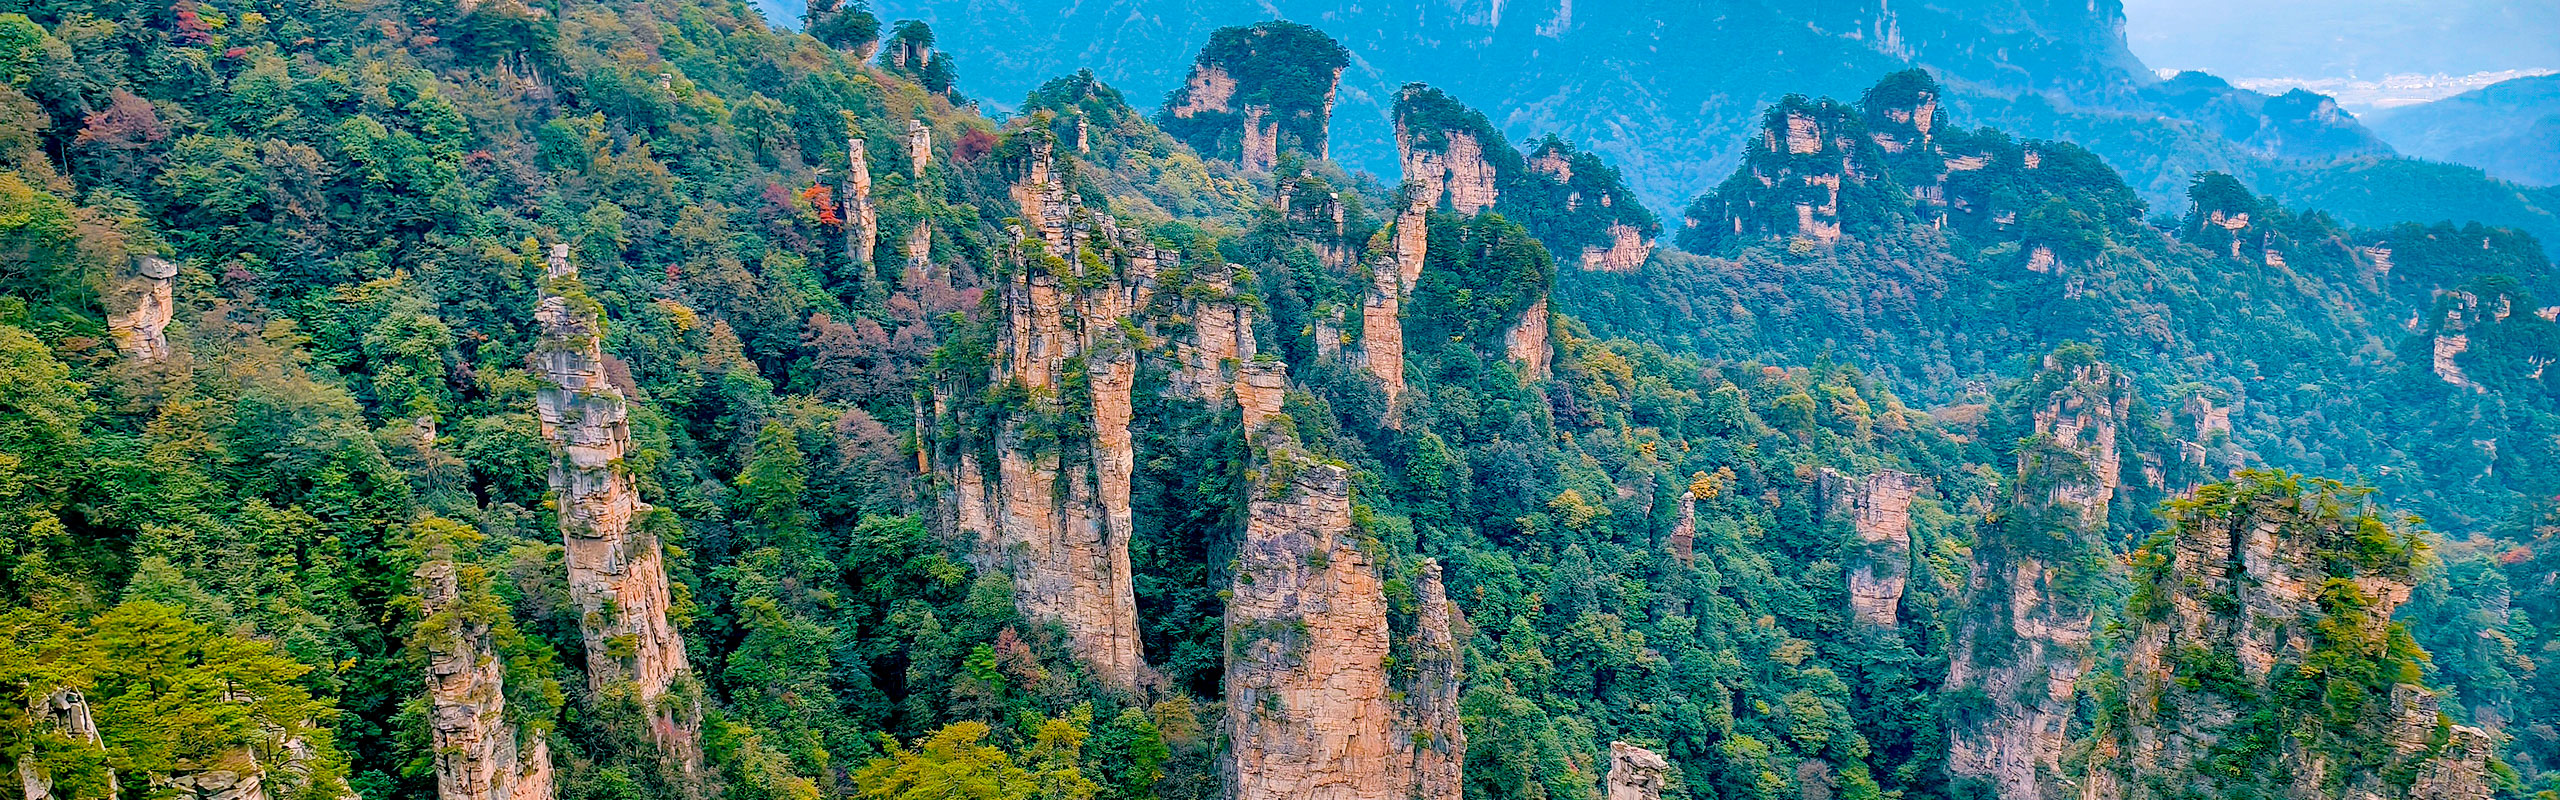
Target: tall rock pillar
pixel 617 571
pixel 479 754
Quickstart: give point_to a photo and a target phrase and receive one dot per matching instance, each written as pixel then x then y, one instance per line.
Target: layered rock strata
pixel 478 755
pixel 2263 586
pixel 1635 773
pixel 1878 506
pixel 617 570
pixel 2023 642
pixel 1314 709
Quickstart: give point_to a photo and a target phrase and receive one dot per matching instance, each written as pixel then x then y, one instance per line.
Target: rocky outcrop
pixel 1879 508
pixel 1314 709
pixel 1221 335
pixel 1684 534
pixel 1447 151
pixel 65 713
pixel 2023 641
pixel 1525 343
pixel 1055 514
pixel 1635 773
pixel 2254 619
pixel 1382 328
pixel 1247 99
pixel 617 570
pixel 861 215
pixel 1628 248
pixel 2461 310
pixel 478 752
pixel 919 147
pixel 140 307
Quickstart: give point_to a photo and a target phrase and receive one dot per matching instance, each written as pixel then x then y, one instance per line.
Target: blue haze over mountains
pixel 1669 91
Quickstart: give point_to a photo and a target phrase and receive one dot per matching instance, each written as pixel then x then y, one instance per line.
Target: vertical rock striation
pixel 861 216
pixel 1253 94
pixel 478 752
pixel 1056 515
pixel 1525 343
pixel 1314 710
pixel 1879 507
pixel 617 571
pixel 2264 660
pixel 2023 642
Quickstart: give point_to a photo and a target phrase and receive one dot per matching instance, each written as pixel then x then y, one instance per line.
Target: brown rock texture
pixel 1684 534
pixel 2024 640
pixel 478 755
pixel 1313 709
pixel 919 147
pixel 1635 773
pixel 140 307
pixel 1260 140
pixel 1382 330
pixel 1208 90
pixel 1879 506
pixel 2263 584
pixel 1455 172
pixel 617 574
pixel 1056 516
pixel 1628 248
pixel 861 215
pixel 1525 343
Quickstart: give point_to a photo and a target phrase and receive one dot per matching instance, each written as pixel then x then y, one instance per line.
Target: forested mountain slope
pixel 496 400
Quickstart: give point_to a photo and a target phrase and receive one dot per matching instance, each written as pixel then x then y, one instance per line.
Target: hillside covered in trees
pixel 514 401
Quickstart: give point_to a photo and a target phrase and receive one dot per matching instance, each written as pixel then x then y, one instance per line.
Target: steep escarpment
pixel 617 571
pixel 1257 91
pixel 481 752
pixel 2263 659
pixel 1315 706
pixel 1054 511
pixel 1453 158
pixel 2033 592
pixel 1878 507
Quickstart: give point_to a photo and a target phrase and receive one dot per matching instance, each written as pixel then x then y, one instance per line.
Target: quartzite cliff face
pixel 480 754
pixel 617 568
pixel 1314 710
pixel 2024 639
pixel 2252 621
pixel 1258 91
pixel 1878 506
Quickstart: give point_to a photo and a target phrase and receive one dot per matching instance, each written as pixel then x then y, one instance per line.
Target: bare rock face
pixel 65 712
pixel 1442 147
pixel 1221 336
pixel 617 574
pixel 2023 642
pixel 140 307
pixel 1382 329
pixel 1246 99
pixel 1313 710
pixel 1628 248
pixel 919 147
pixel 1879 505
pixel 1525 343
pixel 1056 516
pixel 2264 584
pixel 1635 773
pixel 861 215
pixel 2452 339
pixel 477 753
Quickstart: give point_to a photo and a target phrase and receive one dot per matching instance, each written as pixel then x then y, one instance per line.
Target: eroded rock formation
pixel 1879 507
pixel 1635 773
pixel 1525 343
pixel 478 752
pixel 2023 641
pixel 861 216
pixel 617 568
pixel 1444 149
pixel 1245 99
pixel 1056 515
pixel 2266 583
pixel 1382 328
pixel 919 147
pixel 1314 710
pixel 140 307
pixel 1628 248
pixel 63 712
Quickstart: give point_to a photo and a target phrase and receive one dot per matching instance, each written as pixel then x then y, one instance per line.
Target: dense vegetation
pixel 217 547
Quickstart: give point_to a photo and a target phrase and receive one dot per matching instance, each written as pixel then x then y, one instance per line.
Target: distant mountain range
pixel 1669 91
pixel 2510 129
